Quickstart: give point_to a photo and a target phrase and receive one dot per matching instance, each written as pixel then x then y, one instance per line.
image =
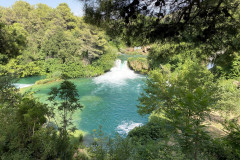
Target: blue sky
pixel 75 5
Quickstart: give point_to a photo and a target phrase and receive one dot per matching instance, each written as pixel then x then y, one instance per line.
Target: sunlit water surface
pixel 110 100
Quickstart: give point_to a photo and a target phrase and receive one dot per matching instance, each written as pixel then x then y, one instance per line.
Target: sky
pixel 75 5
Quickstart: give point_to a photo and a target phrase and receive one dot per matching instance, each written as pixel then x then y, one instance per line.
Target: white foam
pixel 210 65
pixel 18 85
pixel 126 127
pixel 117 75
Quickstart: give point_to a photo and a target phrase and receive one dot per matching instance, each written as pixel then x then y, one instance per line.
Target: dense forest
pixel 193 108
pixel 41 40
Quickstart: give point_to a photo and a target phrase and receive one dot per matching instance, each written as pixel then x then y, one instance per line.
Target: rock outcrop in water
pixel 139 64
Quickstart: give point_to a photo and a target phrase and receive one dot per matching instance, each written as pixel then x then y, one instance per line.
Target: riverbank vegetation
pixel 41 40
pixel 194 110
pixel 28 127
pixel 193 107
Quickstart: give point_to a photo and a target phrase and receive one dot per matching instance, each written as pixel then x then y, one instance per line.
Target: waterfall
pixel 126 127
pixel 19 85
pixel 117 75
pixel 210 65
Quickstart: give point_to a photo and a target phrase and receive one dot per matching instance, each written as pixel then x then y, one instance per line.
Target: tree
pixel 22 120
pixel 31 115
pixel 232 140
pixel 185 98
pixel 12 41
pixel 65 12
pixel 66 99
pixel 188 20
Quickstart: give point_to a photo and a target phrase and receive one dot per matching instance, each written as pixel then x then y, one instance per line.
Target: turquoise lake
pixel 110 100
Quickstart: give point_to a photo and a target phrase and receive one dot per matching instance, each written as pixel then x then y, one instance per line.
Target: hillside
pixel 53 42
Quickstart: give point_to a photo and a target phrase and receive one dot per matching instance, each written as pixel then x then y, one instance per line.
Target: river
pixel 110 100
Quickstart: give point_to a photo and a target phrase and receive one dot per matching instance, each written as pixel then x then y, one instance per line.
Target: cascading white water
pixel 117 75
pixel 210 65
pixel 18 85
pixel 126 127
pixel 120 76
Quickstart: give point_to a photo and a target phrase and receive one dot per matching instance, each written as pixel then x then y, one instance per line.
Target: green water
pixel 110 100
pixel 30 80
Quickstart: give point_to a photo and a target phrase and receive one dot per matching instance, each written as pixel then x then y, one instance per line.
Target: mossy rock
pixel 139 64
